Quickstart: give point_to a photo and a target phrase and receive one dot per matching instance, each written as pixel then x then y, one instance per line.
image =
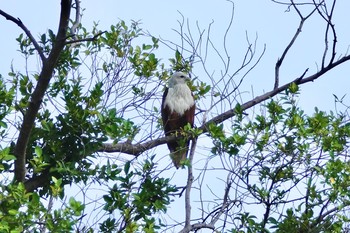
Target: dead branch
pixel 297 33
pixel 327 16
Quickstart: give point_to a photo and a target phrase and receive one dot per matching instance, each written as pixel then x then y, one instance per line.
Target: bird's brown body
pixel 178 110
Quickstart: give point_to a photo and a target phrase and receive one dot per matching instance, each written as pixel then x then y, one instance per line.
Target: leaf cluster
pixel 136 196
pixel 282 152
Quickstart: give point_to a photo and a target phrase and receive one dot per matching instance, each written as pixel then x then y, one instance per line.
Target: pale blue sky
pixel 269 21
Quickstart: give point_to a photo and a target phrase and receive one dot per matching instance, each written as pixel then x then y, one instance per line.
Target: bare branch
pixel 280 60
pixel 299 29
pixel 77 18
pixel 226 34
pixel 225 202
pixel 330 26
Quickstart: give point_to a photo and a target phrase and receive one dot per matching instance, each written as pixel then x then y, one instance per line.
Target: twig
pixel 280 60
pixel 330 25
pixel 86 39
pixel 299 29
pixel 225 202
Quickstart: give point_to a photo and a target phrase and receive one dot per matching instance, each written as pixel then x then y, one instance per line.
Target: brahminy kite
pixel 178 109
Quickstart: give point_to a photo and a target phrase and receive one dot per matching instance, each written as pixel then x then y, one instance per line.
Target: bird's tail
pixel 179 156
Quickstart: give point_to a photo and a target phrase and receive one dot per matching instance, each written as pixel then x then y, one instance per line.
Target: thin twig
pixel 297 33
pixel 280 60
pixel 85 39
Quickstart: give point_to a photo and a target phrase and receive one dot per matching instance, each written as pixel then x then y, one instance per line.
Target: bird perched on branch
pixel 178 109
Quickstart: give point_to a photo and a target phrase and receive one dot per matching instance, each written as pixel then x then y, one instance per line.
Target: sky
pixel 273 25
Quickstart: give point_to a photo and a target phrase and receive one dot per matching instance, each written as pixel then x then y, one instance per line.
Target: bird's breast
pixel 179 98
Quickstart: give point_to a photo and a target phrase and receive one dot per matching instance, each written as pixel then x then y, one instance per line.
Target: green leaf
pixel 9 157
pixel 293 88
pixel 13 212
pixel 127 167
pixel 38 151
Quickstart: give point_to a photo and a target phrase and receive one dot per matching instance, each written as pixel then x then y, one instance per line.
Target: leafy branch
pixel 41 86
pixel 26 30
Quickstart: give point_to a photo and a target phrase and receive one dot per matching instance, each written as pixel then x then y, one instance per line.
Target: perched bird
pixel 178 108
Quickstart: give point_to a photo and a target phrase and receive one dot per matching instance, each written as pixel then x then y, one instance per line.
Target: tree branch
pixel 85 39
pixel 139 148
pixel 37 181
pixel 27 32
pixel 328 18
pixel 299 29
pixel 77 20
pixel 280 60
pixel 225 202
pixel 187 227
pixel 40 89
pixel 135 149
pixel 299 81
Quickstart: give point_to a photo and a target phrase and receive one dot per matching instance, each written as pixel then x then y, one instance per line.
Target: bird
pixel 178 109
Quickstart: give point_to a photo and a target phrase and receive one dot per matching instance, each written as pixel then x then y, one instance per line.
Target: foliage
pixel 137 200
pixel 21 211
pixel 71 126
pixel 289 153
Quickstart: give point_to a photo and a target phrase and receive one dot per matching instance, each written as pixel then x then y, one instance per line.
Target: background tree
pixel 89 118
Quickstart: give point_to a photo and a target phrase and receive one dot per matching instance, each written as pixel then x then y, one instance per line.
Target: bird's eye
pixel 182 76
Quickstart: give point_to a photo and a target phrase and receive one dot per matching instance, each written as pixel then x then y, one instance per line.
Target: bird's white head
pixel 178 78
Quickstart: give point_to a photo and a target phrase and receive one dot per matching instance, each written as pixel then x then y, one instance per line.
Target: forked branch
pixel 289 46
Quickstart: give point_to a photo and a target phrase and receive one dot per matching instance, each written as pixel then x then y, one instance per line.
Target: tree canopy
pixel 82 145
